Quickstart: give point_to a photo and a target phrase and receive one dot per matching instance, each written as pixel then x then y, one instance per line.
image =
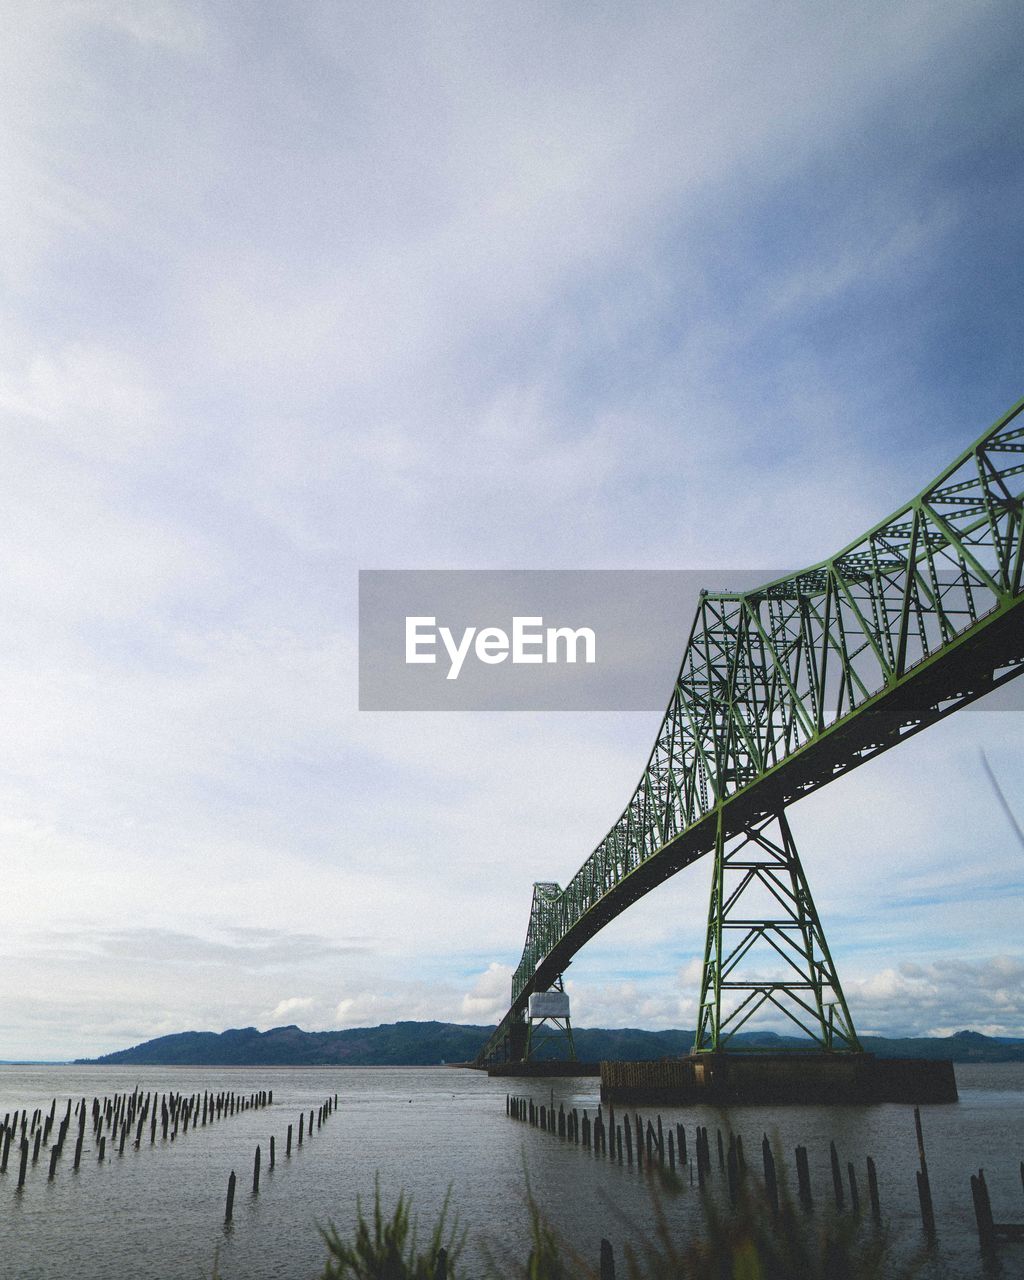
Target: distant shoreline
pixel 434 1044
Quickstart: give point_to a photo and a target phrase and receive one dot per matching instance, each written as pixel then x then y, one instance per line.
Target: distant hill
pixel 431 1043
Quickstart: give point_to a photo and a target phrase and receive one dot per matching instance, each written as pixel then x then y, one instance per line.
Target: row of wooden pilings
pixel 305 1131
pixel 122 1118
pixel 657 1145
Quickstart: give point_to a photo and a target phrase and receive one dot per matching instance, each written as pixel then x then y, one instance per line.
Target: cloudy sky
pixel 294 289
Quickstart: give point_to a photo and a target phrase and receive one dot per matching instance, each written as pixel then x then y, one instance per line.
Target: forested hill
pixel 432 1043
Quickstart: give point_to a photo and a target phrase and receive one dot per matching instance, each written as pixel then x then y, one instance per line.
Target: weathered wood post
pixel 732 1172
pixel 607 1260
pixel 771 1181
pixel 837 1176
pixel 851 1174
pixel 876 1208
pixel 628 1129
pixel 256 1172
pixel 982 1210
pixel 23 1165
pixel 288 1143
pixel 924 1189
pixel 271 1151
pixel 803 1175
pixel 229 1208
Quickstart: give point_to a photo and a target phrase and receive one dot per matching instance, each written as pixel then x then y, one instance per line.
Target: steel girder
pixel 785 687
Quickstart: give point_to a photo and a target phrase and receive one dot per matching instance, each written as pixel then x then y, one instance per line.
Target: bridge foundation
pixel 830 1079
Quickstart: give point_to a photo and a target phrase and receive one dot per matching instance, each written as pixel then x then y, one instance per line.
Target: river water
pixel 158 1213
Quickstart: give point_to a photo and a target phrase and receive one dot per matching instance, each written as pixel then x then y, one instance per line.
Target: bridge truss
pixel 781 690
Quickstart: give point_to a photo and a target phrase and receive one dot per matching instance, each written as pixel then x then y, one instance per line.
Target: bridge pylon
pixel 765 944
pixel 549 1010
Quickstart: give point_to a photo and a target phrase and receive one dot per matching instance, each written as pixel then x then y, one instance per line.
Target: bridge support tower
pixel 548 1013
pixel 765 944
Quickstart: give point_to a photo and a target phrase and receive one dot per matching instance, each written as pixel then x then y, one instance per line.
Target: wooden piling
pixel 607 1271
pixel 78 1152
pixel 876 1208
pixel 23 1164
pixel 288 1144
pixel 229 1207
pixel 732 1172
pixel 271 1151
pixel 671 1151
pixel 982 1210
pixel 771 1181
pixel 681 1142
pixel 851 1174
pixel 54 1153
pixel 256 1173
pixel 837 1176
pixel 924 1190
pixel 102 1153
pixel 803 1175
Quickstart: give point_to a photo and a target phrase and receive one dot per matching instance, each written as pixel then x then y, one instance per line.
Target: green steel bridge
pixel 781 690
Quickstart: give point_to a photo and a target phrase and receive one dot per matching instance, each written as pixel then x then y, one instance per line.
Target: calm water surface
pixel 157 1213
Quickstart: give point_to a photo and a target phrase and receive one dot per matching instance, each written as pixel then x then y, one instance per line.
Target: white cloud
pixel 488 998
pixel 293 1004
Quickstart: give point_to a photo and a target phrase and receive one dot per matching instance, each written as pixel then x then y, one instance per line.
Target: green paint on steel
pixel 786 687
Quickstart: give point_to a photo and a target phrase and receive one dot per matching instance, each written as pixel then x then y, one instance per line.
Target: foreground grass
pixel 747 1241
